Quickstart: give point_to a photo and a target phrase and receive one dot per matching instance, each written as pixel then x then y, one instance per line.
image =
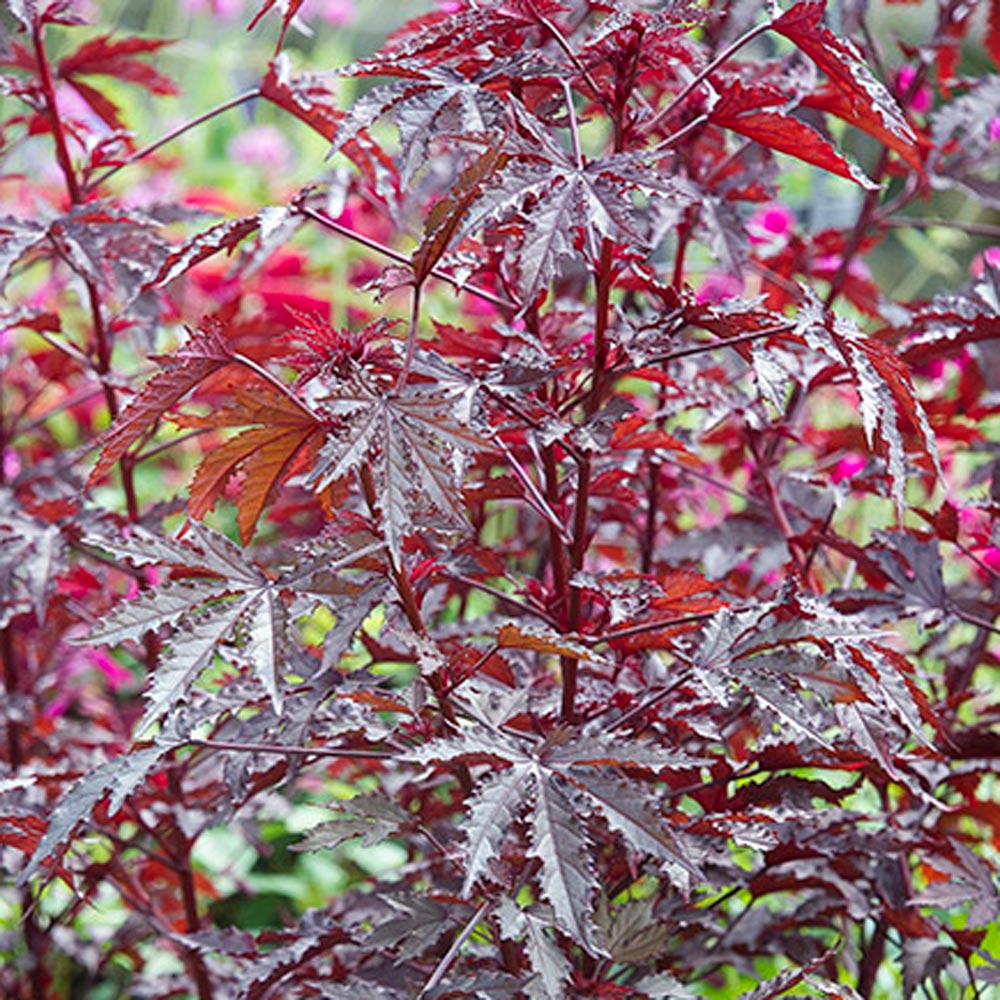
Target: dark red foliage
pixel 649 612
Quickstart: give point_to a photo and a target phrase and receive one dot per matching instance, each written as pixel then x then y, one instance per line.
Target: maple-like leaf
pixel 567 878
pixel 370 817
pixel 554 787
pixel 455 35
pixel 540 639
pixel 310 98
pixel 116 57
pixel 415 922
pixel 491 814
pixel 32 554
pixel 31 14
pixel 661 986
pixel 756 112
pixel 792 977
pixel 115 248
pixel 632 932
pixel 280 437
pixel 316 935
pixel 118 777
pixel 202 355
pixel 412 443
pixel 425 104
pixel 288 9
pixel 964 153
pixel 855 95
pixel 447 214
pixel 202 615
pixel 549 963
pixel 889 401
pixel 889 404
pixel 626 812
pixel 17 238
pixel 942 327
pixel 222 236
pixel 915 568
pixel 560 206
pixel 770 653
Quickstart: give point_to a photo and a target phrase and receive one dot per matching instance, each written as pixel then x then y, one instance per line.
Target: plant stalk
pixel 180 846
pixel 52 108
pixel 401 258
pixel 141 154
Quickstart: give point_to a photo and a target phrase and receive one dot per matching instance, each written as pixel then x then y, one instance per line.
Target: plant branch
pixel 12 686
pixel 102 336
pixel 624 633
pixel 540 503
pixel 180 848
pixel 705 73
pixel 452 953
pixel 681 133
pixel 401 258
pixel 293 751
pixel 563 44
pixel 411 339
pixel 574 127
pixel 273 380
pixel 410 603
pixel 103 339
pixel 471 672
pixel 508 599
pixel 980 623
pixel 743 338
pixel 973 228
pixel 857 234
pixel 52 108
pixel 175 133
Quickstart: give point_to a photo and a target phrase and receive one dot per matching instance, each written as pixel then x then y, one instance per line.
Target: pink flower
pixel 719 286
pixel 828 265
pixel 449 6
pixel 921 100
pixel 261 146
pixel 57 707
pixel 990 257
pixel 11 464
pixel 337 12
pixel 847 468
pixel 226 9
pixel 117 676
pixel 771 223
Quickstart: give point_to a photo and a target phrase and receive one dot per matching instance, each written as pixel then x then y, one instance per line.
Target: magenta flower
pixel 11 464
pixel 921 99
pixel 771 223
pixel 847 468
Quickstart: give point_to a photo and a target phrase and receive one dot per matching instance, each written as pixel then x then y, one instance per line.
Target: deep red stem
pixel 52 109
pixel 180 846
